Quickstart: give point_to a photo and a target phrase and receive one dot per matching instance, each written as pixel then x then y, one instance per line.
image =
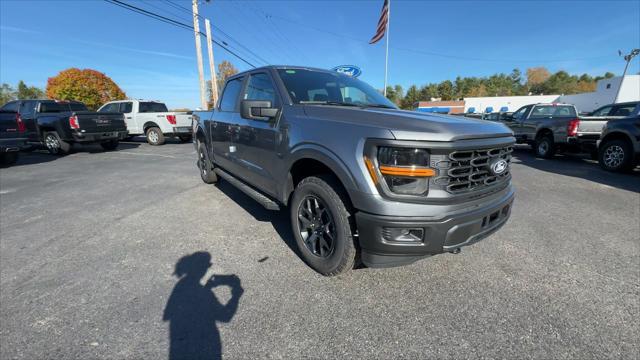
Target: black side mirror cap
pixel 257 110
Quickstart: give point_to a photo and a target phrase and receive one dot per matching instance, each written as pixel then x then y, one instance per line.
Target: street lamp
pixel 627 58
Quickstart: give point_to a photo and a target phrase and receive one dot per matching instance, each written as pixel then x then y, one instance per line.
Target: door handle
pixel 128 117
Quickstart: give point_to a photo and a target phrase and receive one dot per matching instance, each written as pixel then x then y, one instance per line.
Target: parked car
pixel 502 116
pixel 619 144
pixel 361 178
pixel 12 136
pixel 57 125
pixel 153 119
pixel 590 127
pixel 546 127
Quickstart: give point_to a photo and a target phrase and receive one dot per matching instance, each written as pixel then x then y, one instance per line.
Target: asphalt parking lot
pixel 90 243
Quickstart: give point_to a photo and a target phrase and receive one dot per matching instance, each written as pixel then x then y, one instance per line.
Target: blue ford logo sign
pixel 350 70
pixel 499 167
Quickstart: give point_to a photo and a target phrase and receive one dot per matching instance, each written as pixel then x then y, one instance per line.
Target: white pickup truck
pixel 151 118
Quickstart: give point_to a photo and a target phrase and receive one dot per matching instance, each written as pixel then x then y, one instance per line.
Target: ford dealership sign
pixel 350 70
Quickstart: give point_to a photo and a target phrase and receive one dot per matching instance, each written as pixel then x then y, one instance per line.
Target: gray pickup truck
pixel 546 127
pixel 363 181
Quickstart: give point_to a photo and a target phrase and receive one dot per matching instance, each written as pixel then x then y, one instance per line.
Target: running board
pixel 248 190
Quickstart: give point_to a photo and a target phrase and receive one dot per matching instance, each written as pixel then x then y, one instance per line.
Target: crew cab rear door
pixel 225 127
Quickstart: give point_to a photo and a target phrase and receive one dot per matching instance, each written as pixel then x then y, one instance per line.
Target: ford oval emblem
pixel 350 70
pixel 499 167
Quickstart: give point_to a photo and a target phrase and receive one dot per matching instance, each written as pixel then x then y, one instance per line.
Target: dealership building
pixel 606 93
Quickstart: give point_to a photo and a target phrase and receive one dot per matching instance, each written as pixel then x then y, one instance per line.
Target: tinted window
pixel 126 107
pixel 47 107
pixel 230 95
pixel 604 111
pixel 624 110
pixel 113 107
pixel 146 107
pixel 260 87
pixel 311 86
pixel 10 106
pixel 551 110
pixel 76 106
pixel 519 114
pixel 28 108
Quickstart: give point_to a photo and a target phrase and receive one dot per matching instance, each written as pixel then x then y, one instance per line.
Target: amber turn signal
pixel 371 169
pixel 406 171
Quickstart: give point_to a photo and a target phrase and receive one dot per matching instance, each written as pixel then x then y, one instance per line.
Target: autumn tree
pixel 89 86
pixel 225 69
pixel 537 75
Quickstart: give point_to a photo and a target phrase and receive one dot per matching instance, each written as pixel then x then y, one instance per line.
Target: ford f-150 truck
pixel 363 180
pixel 12 136
pixel 59 124
pixel 152 119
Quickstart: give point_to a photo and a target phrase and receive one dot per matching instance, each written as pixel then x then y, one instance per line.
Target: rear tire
pixel 615 156
pixel 204 165
pixel 322 225
pixel 110 145
pixel 8 158
pixel 55 145
pixel 544 147
pixel 155 136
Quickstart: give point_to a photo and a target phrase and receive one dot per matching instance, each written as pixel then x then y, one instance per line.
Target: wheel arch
pixel 617 135
pixel 542 132
pixel 314 160
pixel 148 125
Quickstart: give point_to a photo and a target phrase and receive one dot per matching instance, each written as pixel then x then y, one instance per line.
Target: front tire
pixel 322 225
pixel 55 145
pixel 615 156
pixel 110 145
pixel 204 165
pixel 155 136
pixel 544 147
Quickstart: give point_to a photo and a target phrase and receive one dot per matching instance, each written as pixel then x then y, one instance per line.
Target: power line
pixel 255 56
pixel 174 23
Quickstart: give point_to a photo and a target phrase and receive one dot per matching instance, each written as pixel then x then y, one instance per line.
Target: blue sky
pixel 430 40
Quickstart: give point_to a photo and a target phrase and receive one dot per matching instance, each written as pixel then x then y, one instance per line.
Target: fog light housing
pixel 403 235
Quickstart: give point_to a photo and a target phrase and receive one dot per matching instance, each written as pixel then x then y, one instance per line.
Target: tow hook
pixel 455 251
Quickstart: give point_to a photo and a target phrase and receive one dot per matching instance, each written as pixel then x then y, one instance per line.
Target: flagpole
pixel 386 56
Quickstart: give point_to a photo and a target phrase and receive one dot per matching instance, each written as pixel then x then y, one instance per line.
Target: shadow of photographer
pixel 193 310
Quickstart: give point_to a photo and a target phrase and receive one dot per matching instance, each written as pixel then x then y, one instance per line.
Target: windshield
pixel 322 87
pixel 146 107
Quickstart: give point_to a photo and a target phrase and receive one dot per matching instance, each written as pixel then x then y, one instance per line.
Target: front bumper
pixel 101 136
pixel 446 234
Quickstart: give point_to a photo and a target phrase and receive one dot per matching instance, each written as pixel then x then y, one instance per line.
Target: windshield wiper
pixel 383 106
pixel 339 103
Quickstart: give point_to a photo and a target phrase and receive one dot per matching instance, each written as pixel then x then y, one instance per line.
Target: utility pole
pixel 627 58
pixel 214 81
pixel 196 30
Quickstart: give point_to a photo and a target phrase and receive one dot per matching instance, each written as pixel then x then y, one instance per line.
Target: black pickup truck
pixel 12 137
pixel 56 125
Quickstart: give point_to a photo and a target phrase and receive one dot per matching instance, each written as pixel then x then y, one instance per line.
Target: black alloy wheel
pixel 317 227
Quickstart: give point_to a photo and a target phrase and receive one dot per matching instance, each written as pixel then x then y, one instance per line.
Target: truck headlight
pixel 405 171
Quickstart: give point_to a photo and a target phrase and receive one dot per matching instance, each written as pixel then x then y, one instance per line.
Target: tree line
pixel 536 81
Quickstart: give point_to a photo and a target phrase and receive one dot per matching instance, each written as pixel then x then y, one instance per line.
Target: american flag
pixel 382 23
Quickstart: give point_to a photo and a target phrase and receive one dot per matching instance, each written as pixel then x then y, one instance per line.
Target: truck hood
pixel 411 125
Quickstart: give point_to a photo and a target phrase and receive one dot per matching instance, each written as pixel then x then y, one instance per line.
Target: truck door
pixel 515 122
pixel 257 139
pixel 126 108
pixel 225 127
pixel 28 114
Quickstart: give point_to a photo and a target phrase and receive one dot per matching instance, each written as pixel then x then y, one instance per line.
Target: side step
pixel 251 192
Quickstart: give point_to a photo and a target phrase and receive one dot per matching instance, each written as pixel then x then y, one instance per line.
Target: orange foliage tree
pixel 89 86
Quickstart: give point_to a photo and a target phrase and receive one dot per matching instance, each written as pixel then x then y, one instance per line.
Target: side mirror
pixel 257 110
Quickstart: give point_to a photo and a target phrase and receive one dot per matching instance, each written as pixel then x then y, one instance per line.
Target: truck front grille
pixel 469 170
